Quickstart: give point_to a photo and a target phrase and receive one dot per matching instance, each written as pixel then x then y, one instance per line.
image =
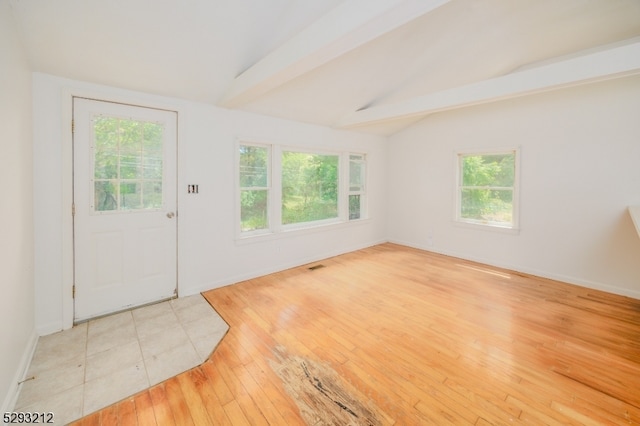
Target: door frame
pixel 116 96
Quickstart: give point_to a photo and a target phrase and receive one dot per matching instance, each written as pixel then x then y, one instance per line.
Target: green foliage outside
pixel 309 187
pixel 254 169
pixel 487 188
pixel 127 164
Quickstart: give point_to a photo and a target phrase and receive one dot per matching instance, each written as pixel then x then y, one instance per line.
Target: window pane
pixel 130 135
pixel 356 175
pixel 130 196
pixel 253 166
pixel 130 166
pixel 152 195
pixel 354 207
pixel 253 210
pixel 152 139
pixel 105 165
pixel 106 133
pixel 488 170
pixel 104 196
pixel 106 148
pixel 127 162
pixel 487 205
pixel 309 187
pixel 152 168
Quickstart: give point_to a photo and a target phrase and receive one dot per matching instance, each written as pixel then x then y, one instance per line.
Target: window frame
pixel 362 192
pixel 488 225
pixel 268 188
pixel 310 224
pixel 274 198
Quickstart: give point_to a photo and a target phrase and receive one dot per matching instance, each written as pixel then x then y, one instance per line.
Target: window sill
pixel 299 230
pixel 486 227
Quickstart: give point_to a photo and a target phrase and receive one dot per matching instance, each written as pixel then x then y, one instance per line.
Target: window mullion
pixel 275 204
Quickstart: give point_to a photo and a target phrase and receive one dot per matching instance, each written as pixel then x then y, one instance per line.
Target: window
pixel 284 189
pixel 357 177
pixel 309 187
pixel 487 188
pixel 254 187
pixel 127 164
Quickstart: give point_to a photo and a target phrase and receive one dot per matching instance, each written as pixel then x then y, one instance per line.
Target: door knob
pixel 170 215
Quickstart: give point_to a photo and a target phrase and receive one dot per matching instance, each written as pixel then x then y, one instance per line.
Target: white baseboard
pixel 281 267
pixel 50 328
pixel 531 271
pixel 14 390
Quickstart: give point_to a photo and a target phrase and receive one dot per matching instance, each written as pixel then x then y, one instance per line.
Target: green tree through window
pixel 254 188
pixel 127 163
pixel 309 187
pixel 487 188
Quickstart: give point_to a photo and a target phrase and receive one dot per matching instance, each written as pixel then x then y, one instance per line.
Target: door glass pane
pixel 130 166
pixel 152 137
pixel 105 196
pixel 152 168
pixel 127 164
pixel 152 195
pixel 130 135
pixel 130 195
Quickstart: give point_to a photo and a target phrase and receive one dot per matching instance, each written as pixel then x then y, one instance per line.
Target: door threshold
pixel 131 308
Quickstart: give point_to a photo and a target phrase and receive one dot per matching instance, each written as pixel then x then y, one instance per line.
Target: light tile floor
pixel 97 363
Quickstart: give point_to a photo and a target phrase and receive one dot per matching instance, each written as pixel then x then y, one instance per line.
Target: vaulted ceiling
pixel 369 65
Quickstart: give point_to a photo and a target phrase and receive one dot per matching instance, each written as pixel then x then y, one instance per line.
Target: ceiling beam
pixel 613 62
pixel 352 24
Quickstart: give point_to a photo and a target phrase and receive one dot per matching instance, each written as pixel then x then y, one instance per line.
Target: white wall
pixel 580 169
pixel 17 333
pixel 209 255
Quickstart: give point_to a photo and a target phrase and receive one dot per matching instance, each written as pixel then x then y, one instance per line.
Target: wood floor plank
pixel 109 416
pixel 144 409
pixel 92 419
pixel 210 401
pixel 177 402
pixel 161 406
pixel 127 412
pixel 193 399
pixel 401 336
pixel 220 388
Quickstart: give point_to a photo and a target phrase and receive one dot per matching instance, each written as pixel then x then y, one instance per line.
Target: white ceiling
pixel 321 61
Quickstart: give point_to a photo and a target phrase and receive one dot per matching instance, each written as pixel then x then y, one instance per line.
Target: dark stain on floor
pixel 322 397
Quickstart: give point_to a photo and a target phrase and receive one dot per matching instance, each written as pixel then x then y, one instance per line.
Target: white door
pixel 125 206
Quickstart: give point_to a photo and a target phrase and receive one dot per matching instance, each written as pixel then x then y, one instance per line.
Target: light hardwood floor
pixel 394 335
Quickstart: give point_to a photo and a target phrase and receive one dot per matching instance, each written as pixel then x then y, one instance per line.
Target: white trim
pixel 310 228
pixel 13 393
pixel 237 188
pixel 515 222
pixel 68 93
pixel 276 227
pixel 281 267
pixel 567 279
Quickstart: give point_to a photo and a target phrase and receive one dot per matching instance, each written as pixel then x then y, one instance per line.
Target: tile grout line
pixel 184 329
pixel 84 376
pixel 144 362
